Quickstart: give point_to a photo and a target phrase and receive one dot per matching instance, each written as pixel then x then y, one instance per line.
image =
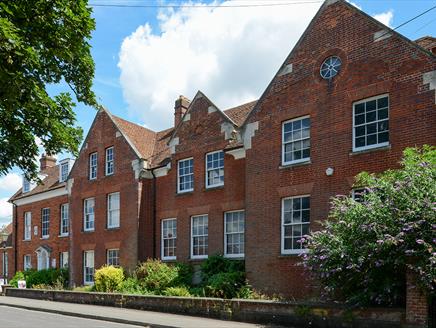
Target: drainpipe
pixel 154 214
pixel 15 249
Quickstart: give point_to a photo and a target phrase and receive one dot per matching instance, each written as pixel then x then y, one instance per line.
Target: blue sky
pixel 146 57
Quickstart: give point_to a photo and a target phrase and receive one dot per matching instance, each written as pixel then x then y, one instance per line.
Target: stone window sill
pixel 290 166
pixel 364 151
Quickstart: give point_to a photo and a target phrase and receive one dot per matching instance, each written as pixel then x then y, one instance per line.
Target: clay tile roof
pixel 427 42
pixel 7 230
pixel 239 114
pixel 161 149
pixel 50 180
pixel 143 139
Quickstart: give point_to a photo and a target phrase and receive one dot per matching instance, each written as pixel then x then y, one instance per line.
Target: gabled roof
pixel 326 4
pixel 427 42
pixel 141 138
pixel 239 113
pixel 7 229
pixel 50 181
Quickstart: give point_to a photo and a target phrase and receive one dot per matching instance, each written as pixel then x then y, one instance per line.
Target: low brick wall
pixel 258 311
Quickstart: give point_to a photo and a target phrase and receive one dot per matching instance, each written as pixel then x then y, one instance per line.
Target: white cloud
pixel 230 54
pixel 386 17
pixel 10 183
pixel 5 211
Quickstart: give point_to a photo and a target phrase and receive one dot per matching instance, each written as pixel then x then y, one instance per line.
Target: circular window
pixel 330 67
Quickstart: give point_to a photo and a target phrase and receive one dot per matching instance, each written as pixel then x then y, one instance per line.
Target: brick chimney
pixel 46 161
pixel 180 107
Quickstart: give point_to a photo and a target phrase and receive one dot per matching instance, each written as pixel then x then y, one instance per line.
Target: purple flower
pixel 420 241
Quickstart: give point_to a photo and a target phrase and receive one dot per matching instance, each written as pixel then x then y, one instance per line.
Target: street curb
pixel 88 316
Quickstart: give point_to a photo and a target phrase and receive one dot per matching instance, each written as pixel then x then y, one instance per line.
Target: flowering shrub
pixel 363 251
pixel 108 279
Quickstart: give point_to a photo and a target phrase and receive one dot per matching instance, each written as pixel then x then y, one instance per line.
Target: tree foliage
pixel 41 43
pixel 363 251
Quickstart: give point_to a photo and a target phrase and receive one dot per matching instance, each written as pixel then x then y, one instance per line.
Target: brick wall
pixel 54 242
pixel 391 66
pixel 103 134
pixel 198 136
pixel 417 307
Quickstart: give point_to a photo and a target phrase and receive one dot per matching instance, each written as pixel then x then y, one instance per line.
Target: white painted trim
pixel 282 230
pixel 199 257
pixel 106 161
pixel 108 197
pixel 41 196
pixel 301 160
pixel 240 255
pixel 166 258
pixel 178 177
pixel 379 145
pixel 207 171
pixel 237 153
pixel 84 215
pixel 162 171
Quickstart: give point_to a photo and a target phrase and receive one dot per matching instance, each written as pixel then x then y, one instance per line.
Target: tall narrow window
pixel 93 166
pixel 88 220
pixel 64 171
pixel 185 175
pixel 296 141
pixel 234 224
pixel 45 222
pixel 65 222
pixel 27 225
pixel 113 210
pixel 199 236
pixel 113 257
pixel 5 264
pixel 88 267
pixel 295 223
pixel 26 185
pixel 169 239
pixel 27 262
pixel 215 169
pixel 371 123
pixel 109 166
pixel 63 260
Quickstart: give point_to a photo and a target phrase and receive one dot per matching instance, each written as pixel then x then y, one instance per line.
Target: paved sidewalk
pixel 126 316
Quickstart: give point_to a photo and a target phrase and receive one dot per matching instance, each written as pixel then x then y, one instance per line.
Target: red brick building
pixel 246 182
pixel 6 253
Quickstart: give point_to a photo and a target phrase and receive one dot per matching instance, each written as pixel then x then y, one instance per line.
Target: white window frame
pixel 203 256
pixel 113 211
pixel 207 170
pixel 5 264
pixel 93 164
pixel 85 267
pixel 239 255
pixel 45 220
pixel 87 215
pixel 109 161
pixel 65 220
pixel 108 256
pixel 26 185
pixel 282 228
pixel 63 260
pixel 27 262
pixel 179 191
pixel 63 174
pixel 27 225
pixel 378 145
pixel 168 238
pixel 301 160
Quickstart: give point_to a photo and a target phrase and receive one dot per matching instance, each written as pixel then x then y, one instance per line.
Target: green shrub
pixel 219 264
pixel 156 276
pixel 50 277
pixel 197 291
pixel 132 286
pixel 177 291
pixel 184 274
pixel 19 275
pixel 108 279
pixel 225 284
pixel 365 247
